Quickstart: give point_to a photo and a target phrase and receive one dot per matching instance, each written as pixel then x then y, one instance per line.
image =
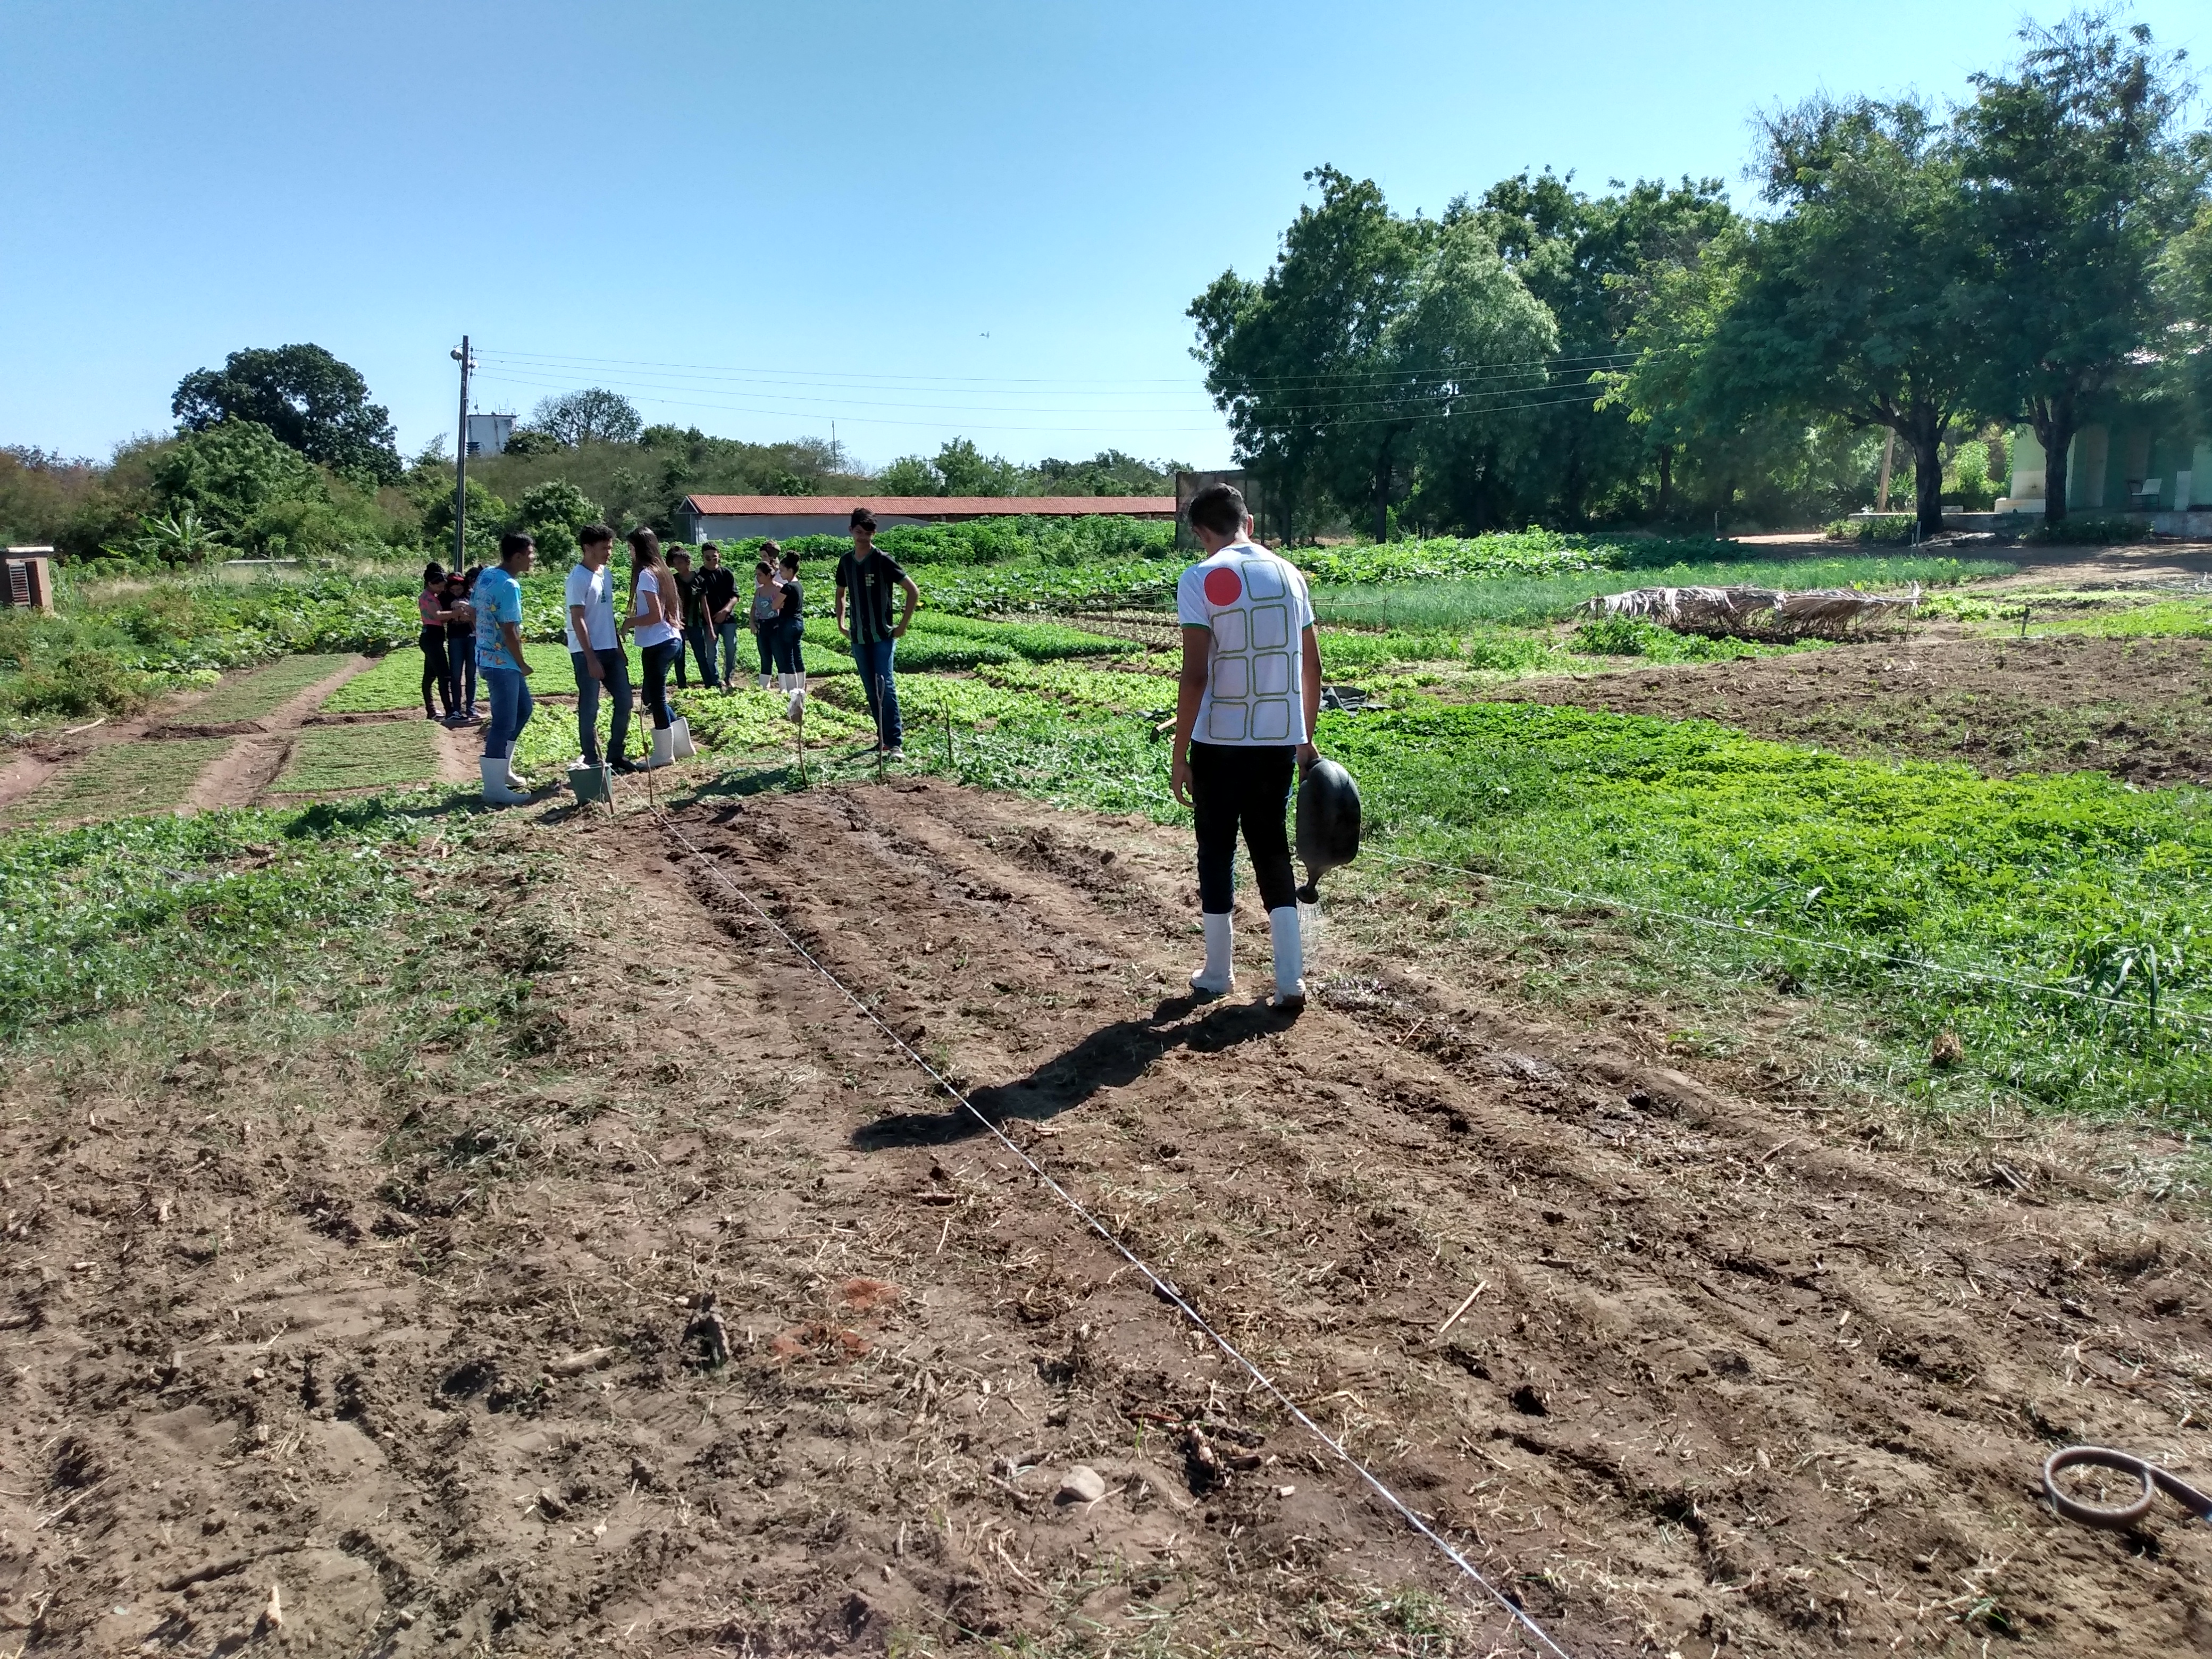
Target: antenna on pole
pixel 462 356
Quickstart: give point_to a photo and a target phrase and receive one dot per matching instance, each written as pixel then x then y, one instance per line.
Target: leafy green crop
pixel 379 756
pixel 99 918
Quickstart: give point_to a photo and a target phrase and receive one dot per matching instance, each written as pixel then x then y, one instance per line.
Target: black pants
pixel 1247 788
pixel 437 672
pixel 655 659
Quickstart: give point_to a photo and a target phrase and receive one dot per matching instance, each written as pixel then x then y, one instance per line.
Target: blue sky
pixel 907 220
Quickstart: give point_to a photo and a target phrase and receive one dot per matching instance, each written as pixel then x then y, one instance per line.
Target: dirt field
pixel 2141 709
pixel 393 1340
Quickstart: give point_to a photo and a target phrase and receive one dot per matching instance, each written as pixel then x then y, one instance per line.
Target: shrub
pixel 80 682
pixel 2087 532
pixel 1883 527
pixel 1614 636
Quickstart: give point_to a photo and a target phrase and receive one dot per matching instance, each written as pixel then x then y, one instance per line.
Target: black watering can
pixel 1328 823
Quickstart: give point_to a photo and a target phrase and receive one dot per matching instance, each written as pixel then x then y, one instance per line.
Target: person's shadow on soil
pixel 1111 1057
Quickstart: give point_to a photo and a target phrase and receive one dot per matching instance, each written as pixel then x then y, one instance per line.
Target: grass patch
pixel 332 757
pixel 250 696
pixel 113 915
pixel 117 779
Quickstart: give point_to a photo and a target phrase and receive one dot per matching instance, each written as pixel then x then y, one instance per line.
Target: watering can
pixel 590 783
pixel 1328 823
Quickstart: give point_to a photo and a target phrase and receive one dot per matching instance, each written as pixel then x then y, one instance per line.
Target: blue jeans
pixel 510 710
pixel 727 633
pixel 615 665
pixel 786 642
pixel 873 659
pixel 655 659
pixel 701 638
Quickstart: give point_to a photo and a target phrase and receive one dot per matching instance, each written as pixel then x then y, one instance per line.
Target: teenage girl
pixel 461 644
pixel 654 613
pixel 790 629
pixel 766 603
pixel 437 668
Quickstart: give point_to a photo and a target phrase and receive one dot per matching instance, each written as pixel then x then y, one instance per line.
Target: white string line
pixel 1160 1286
pixel 1791 939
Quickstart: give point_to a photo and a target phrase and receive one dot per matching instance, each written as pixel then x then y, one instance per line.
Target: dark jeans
pixel 656 659
pixel 1233 787
pixel 437 670
pixel 764 637
pixel 461 653
pixel 701 636
pixel 615 665
pixel 510 711
pixel 873 659
pixel 727 633
pixel 789 658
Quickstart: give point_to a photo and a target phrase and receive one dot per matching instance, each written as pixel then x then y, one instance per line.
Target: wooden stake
pixel 1481 1286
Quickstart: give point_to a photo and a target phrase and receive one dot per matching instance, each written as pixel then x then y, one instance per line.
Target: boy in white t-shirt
pixel 1245 711
pixel 595 648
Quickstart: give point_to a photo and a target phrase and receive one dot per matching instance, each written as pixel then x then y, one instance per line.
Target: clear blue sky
pixel 913 220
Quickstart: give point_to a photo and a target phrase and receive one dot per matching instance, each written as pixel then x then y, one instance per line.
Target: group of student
pixel 670 607
pixel 1247 697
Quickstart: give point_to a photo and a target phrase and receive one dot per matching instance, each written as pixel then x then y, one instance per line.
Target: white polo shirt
pixel 1256 605
pixel 594 590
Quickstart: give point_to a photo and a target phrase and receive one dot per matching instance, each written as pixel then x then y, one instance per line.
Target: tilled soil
pixel 2139 709
pixel 1721 1379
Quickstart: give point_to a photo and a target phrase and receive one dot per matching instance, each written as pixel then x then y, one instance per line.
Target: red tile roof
pixel 930 507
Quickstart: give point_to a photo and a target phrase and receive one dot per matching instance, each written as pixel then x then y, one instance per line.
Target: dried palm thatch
pixel 1760 613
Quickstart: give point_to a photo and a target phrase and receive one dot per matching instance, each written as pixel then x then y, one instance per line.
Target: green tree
pixel 910 475
pixel 1591 259
pixel 553 514
pixel 2081 175
pixel 963 469
pixel 230 474
pixel 1109 472
pixel 309 399
pixel 594 415
pixel 1865 299
pixel 1302 362
pixel 2186 293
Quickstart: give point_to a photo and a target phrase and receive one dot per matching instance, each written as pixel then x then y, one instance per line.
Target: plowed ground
pixel 408 1342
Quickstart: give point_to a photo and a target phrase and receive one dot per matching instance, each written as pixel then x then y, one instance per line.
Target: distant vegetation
pixel 2041 255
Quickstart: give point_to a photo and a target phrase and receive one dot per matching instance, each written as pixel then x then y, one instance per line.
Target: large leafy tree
pixel 2080 175
pixel 231 474
pixel 1589 259
pixel 1864 299
pixel 1369 335
pixel 309 399
pixel 594 415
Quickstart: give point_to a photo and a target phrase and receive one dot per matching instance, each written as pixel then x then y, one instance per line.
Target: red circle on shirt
pixel 1223 588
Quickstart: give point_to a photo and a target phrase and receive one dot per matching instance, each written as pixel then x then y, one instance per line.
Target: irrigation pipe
pixel 1161 1287
pixel 2153 1479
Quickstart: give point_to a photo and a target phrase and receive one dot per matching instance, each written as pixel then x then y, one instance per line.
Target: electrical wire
pixel 1163 1288
pixel 553 361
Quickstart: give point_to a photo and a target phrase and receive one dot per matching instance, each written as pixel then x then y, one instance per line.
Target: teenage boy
pixel 1245 712
pixel 595 648
pixel 505 667
pixel 679 567
pixel 865 581
pixel 721 604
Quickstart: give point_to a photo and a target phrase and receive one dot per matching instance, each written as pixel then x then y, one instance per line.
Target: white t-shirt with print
pixel 1256 605
pixel 594 590
pixel 658 633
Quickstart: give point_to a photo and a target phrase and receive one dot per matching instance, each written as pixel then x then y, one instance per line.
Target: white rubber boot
pixel 680 733
pixel 515 780
pixel 496 791
pixel 1289 958
pixel 663 752
pixel 764 680
pixel 1218 976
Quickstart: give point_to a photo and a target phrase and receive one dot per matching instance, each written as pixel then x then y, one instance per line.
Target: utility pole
pixel 461 462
